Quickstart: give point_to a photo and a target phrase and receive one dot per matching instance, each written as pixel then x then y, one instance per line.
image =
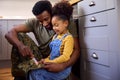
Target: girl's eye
pixel 56 25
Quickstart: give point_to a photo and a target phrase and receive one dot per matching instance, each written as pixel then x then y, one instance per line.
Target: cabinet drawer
pixel 97 72
pixel 92 6
pixel 3 41
pixel 99 57
pixel 93 20
pixel 97 42
pixel 13 23
pixel 96 38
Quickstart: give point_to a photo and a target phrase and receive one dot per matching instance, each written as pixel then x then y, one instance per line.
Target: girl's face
pixel 59 26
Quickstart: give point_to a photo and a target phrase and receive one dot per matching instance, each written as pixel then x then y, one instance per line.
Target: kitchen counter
pixel 16 17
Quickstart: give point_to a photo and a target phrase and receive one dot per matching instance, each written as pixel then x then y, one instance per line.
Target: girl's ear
pixel 66 23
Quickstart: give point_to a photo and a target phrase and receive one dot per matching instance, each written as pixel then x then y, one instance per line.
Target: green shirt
pixel 44 36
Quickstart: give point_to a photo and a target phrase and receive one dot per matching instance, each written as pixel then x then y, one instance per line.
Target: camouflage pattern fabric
pixel 20 64
pixel 29 65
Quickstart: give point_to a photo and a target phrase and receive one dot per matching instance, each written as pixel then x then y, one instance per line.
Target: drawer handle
pixel 92 3
pixel 93 19
pixel 94 55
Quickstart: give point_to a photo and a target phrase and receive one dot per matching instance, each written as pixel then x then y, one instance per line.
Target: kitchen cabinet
pixel 99 33
pixel 10 24
pixel 3 41
pixel 5 47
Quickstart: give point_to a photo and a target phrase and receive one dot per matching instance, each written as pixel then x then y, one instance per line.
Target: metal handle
pixel 93 19
pixel 92 3
pixel 94 55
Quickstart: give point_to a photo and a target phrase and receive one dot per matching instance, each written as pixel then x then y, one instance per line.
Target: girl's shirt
pixel 66 48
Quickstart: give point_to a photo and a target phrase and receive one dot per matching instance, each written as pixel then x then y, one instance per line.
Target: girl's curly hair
pixel 62 8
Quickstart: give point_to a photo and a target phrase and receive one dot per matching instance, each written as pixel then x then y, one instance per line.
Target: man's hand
pixel 53 67
pixel 25 50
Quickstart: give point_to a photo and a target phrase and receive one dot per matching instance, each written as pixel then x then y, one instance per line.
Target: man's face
pixel 44 19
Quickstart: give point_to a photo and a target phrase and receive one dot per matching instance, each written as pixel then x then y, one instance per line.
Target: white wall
pixel 18 7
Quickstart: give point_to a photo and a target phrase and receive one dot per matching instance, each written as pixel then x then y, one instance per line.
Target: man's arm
pixel 11 36
pixel 55 67
pixel 75 54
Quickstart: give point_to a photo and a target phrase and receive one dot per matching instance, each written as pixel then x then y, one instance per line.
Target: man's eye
pixel 46 19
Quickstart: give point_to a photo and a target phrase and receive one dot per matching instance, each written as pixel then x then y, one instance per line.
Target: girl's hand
pixel 54 67
pixel 42 61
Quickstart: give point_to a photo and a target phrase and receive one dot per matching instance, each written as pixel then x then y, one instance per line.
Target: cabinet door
pixel 86 7
pixel 100 46
pixel 0 39
pixel 15 22
pixel 3 41
pixel 11 24
pixel 98 65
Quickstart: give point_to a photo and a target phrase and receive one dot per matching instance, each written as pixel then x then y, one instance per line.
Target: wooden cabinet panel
pixel 95 20
pixel 12 23
pixel 86 7
pixel 3 27
pixel 5 47
pixel 99 39
pixel 96 38
pixel 97 72
pixel 0 40
pixel 98 57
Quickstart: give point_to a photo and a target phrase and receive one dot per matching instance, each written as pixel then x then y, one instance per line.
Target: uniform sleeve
pixel 67 51
pixel 73 28
pixel 30 24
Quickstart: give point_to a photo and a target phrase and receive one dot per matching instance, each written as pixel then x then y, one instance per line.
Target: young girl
pixel 61 45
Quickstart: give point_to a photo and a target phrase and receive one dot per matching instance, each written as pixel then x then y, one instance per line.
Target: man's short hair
pixel 40 6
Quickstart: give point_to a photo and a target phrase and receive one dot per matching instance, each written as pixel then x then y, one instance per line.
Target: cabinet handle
pixel 92 3
pixel 93 19
pixel 94 55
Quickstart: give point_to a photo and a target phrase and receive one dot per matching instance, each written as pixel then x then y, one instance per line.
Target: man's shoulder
pixel 32 20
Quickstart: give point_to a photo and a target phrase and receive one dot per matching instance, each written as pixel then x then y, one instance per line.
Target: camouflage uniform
pixel 17 59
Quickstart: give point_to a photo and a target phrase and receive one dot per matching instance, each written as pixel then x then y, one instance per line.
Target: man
pixel 42 29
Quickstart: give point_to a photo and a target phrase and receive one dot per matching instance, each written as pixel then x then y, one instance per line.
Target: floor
pixel 73 77
pixel 5 70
